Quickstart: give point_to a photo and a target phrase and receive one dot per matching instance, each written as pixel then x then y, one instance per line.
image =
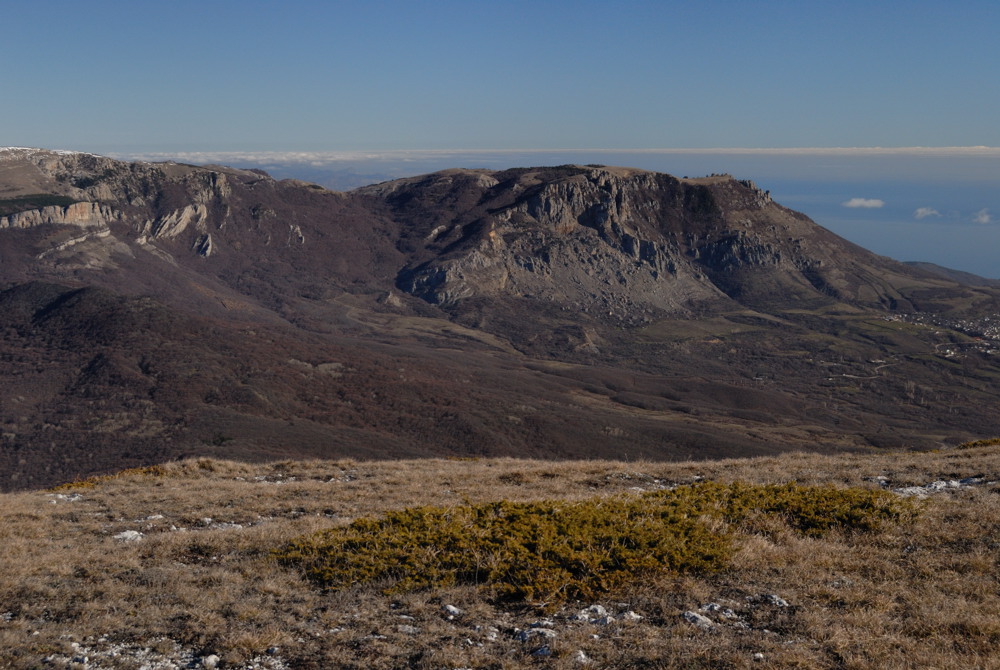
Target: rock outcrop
pixel 81 214
pixel 619 242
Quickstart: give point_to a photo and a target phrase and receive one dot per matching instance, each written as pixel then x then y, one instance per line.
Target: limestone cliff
pixel 619 242
pixel 82 214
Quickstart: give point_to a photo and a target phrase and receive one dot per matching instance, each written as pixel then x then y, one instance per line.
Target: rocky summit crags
pixel 156 310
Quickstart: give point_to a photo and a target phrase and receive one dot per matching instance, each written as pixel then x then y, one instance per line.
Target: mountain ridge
pixel 566 311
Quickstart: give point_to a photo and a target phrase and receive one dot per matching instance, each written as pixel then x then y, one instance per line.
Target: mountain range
pixel 153 311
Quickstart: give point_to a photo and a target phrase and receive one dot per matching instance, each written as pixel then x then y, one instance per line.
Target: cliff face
pixel 82 214
pixel 622 243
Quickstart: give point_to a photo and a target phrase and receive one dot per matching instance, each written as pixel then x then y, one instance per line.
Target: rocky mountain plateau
pixel 155 311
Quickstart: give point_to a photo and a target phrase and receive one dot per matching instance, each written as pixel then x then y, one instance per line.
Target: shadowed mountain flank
pixel 157 310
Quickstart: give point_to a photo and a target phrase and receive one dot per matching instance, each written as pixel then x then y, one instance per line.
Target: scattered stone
pixel 451 611
pixel 542 651
pixel 65 497
pixel 716 608
pixel 939 486
pixel 698 620
pixel 157 654
pixel 407 629
pixel 542 623
pixel 758 656
pixel 527 635
pixel 632 616
pixel 769 599
pixel 590 613
pixel 580 657
pixel 129 536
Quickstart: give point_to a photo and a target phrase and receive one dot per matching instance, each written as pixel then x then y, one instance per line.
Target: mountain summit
pixel 622 241
pixel 155 310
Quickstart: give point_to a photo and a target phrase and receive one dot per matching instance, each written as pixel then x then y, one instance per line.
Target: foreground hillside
pixel 186 565
pixel 156 311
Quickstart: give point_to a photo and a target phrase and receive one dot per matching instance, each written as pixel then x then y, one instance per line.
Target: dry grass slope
pixel 920 591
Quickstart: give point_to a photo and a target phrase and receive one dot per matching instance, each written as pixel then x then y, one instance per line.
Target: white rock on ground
pixel 590 613
pixel 128 536
pixel 720 610
pixel 527 635
pixel 938 486
pixel 698 620
pixel 104 655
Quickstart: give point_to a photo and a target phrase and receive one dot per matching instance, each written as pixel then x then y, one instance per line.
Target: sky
pixel 497 81
pixel 248 75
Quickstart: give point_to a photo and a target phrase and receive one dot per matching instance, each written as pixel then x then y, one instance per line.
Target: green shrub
pixel 812 510
pixel 554 551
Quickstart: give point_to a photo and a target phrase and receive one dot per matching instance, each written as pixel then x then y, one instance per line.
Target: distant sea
pixel 938 205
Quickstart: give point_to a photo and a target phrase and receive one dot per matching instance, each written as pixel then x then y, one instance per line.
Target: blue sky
pixel 144 75
pixel 355 85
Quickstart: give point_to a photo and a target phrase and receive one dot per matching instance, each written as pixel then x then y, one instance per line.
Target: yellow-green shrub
pixel 812 510
pixel 552 551
pixel 989 442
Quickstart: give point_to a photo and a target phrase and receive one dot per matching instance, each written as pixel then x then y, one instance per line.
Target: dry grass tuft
pixel 91 482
